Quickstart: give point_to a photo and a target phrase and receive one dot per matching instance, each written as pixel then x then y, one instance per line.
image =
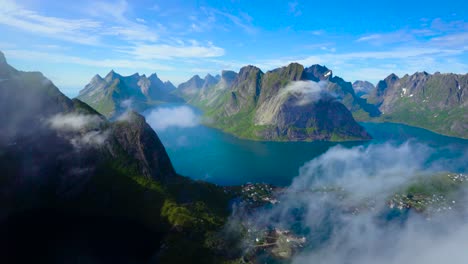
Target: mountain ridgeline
pixel 294 103
pixel 114 94
pixel 75 187
pixel 438 102
pixel 291 103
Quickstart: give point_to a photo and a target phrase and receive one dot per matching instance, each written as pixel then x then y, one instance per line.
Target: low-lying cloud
pixel 367 175
pixel 91 138
pixel 307 92
pixel 73 122
pixel 165 117
pixel 81 130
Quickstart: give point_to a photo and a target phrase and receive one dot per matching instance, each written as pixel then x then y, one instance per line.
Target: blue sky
pixel 71 41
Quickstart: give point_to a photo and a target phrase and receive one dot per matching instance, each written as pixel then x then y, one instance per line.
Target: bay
pixel 205 153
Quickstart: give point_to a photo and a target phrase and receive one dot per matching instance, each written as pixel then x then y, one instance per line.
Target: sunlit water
pixel 208 154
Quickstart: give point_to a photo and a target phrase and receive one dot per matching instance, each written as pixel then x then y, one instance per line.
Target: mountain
pixel 205 91
pixel 362 87
pixel 288 103
pixel 114 94
pixel 75 187
pixel 437 102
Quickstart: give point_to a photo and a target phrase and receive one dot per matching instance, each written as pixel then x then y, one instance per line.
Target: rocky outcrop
pixel 138 140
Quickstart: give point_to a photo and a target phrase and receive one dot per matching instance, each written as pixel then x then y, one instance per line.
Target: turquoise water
pixel 208 154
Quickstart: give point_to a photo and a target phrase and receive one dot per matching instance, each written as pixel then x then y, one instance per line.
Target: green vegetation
pixel 431 194
pixel 415 114
pixel 434 102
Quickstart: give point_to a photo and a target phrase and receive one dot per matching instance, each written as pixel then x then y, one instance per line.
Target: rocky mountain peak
pixel 362 87
pixel 248 73
pixel 169 85
pixel 209 76
pixel 292 72
pixel 249 68
pixel 97 78
pixel 209 81
pixel 112 75
pixel 392 78
pixel 153 76
pixel 295 70
pixel 228 76
pixel 135 75
pixel 317 73
pixel 139 139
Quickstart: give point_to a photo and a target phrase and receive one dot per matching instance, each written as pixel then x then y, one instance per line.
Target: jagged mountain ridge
pixel 437 102
pixel 257 105
pixel 114 94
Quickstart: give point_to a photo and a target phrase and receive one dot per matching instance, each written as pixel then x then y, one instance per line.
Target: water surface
pixel 208 154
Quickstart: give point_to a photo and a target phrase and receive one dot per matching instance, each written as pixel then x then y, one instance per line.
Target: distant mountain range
pixel 295 103
pixel 255 105
pixel 438 102
pixel 288 103
pixel 114 94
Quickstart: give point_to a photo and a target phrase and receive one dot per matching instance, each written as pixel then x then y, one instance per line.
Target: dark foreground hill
pixel 77 188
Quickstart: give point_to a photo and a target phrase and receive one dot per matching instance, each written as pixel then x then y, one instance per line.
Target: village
pixel 429 203
pixel 259 194
pixel 280 243
pixel 434 194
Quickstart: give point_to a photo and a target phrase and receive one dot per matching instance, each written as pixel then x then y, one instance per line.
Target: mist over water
pixel 351 222
pixel 205 153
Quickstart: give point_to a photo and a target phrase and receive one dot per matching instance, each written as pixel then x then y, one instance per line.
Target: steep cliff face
pixel 136 138
pixel 288 103
pixel 437 102
pixel 245 90
pixel 325 119
pixel 114 94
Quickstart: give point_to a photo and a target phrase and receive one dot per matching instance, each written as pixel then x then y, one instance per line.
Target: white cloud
pixel 165 51
pixel 127 104
pixel 409 59
pixel 369 37
pixel 244 21
pixel 388 38
pixel 74 122
pixel 456 40
pixel 165 117
pixel 306 92
pixel 115 9
pixel 359 175
pixel 91 138
pixel 104 63
pixel 119 25
pixel 81 130
pixel 73 30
